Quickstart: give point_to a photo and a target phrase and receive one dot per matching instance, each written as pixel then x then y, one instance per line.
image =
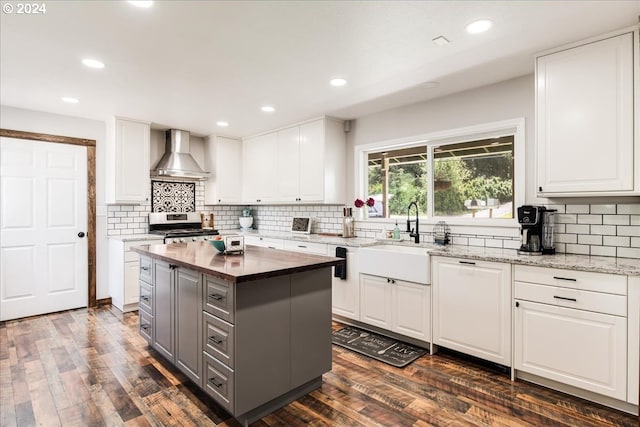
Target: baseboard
pixel 103 301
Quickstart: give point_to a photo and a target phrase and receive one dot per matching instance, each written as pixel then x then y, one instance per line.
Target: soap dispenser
pixel 396 232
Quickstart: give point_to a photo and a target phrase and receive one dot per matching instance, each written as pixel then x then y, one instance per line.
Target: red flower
pixel 358 203
pixel 370 202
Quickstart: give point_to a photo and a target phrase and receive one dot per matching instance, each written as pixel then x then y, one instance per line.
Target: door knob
pixel 81 234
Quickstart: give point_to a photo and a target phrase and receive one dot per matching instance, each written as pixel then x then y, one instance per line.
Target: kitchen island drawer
pixel 145 270
pixel 146 298
pixel 582 280
pixel 572 298
pixel 218 298
pixel 219 382
pixel 218 339
pixel 146 325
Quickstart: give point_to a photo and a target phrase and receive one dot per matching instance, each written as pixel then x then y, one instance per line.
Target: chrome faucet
pixel 416 235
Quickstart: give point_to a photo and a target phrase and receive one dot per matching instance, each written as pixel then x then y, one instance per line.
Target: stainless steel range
pixel 179 227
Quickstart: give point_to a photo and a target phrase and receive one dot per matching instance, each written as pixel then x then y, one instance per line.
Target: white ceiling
pixel 188 64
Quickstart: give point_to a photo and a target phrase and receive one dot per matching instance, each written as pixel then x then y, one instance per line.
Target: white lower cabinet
pixel 472 307
pixel 571 327
pixel 579 348
pixel 411 311
pixel 345 293
pixel 396 305
pixel 264 242
pixel 124 271
pixel 307 247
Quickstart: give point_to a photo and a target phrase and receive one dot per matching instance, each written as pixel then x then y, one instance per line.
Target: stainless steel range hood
pixel 176 160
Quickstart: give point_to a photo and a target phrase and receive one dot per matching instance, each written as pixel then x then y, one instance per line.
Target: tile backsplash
pixel 587 229
pixel 134 219
pixel 605 230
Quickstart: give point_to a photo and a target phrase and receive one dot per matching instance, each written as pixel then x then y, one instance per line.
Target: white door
pixel 43 194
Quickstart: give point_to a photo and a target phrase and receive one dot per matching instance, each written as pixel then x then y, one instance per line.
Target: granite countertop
pixel 135 237
pixel 628 266
pixel 256 263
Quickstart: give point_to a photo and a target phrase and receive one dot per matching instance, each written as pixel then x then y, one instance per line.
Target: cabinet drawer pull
pixel 145 326
pixel 213 382
pixel 215 339
pixel 272 247
pixel 302 246
pixel 569 279
pixel 467 262
pixel 216 297
pixel 144 268
pixel 172 266
pixel 144 298
pixel 565 298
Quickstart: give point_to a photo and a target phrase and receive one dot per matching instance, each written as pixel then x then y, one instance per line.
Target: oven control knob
pixel 193 239
pixel 205 238
pixel 181 240
pixel 176 240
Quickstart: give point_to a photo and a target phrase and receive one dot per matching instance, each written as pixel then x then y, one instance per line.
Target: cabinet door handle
pixel 565 298
pixel 467 262
pixel 215 339
pixel 145 326
pixel 172 266
pixel 216 297
pixel 565 278
pixel 517 304
pixel 213 382
pixel 144 268
pixel 144 297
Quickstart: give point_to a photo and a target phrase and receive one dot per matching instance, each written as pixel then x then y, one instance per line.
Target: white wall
pixel 35 121
pixel 510 99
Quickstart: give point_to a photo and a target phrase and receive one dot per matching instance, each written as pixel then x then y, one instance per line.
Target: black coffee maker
pixel 531 219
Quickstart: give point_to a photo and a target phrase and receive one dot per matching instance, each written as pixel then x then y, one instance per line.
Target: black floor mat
pixel 379 347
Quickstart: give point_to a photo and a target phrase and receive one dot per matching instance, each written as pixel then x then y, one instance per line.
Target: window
pixel 472 174
pixel 397 178
pixel 474 179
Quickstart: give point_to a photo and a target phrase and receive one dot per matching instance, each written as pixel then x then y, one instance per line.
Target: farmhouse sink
pixel 396 262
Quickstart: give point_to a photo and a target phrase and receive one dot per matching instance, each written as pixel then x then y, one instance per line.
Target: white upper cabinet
pixel 127 162
pixel 288 164
pixel 259 170
pixel 585 118
pixel 223 159
pixel 307 164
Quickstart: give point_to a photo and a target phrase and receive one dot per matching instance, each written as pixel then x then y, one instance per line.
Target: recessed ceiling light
pixel 70 99
pixel 93 63
pixel 479 26
pixel 222 124
pixel 440 40
pixel 338 81
pixel 142 3
pixel 268 109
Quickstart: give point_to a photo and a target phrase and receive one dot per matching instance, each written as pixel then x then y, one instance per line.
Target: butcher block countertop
pixel 256 262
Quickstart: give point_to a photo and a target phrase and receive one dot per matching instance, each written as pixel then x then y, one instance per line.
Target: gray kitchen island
pixel 252 330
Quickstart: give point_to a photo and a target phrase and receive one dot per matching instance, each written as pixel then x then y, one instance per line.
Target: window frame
pixel 515 127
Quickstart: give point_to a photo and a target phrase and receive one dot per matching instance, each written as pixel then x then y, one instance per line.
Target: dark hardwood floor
pixel 89 367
